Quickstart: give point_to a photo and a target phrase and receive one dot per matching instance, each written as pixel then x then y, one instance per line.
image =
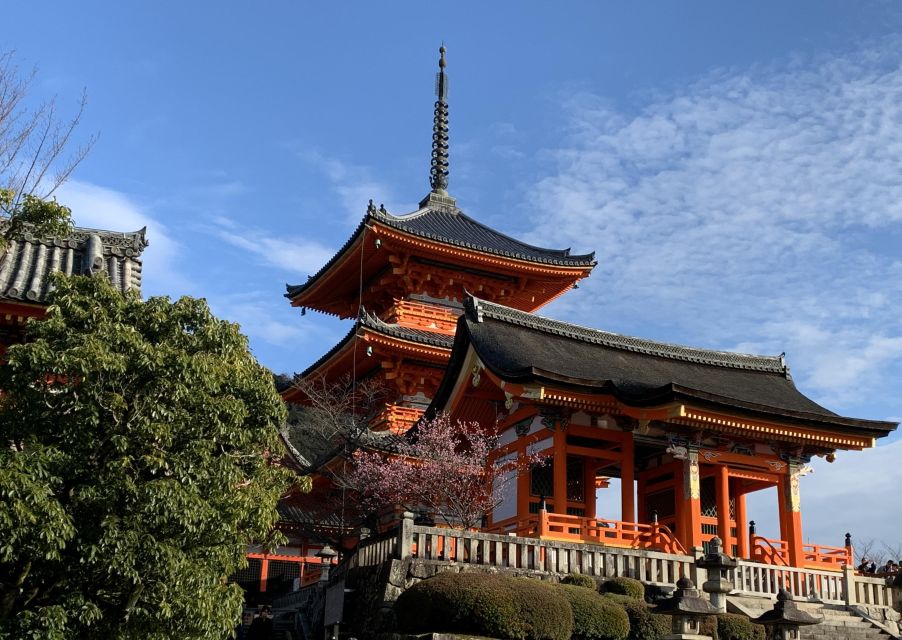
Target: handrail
pixel 616 533
pixel 775 552
pixel 823 556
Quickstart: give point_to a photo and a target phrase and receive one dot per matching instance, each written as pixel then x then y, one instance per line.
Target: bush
pixel 594 616
pixel 732 626
pixel 644 625
pixel 463 602
pixel 485 604
pixel 580 580
pixel 543 609
pixel 708 627
pixel 624 586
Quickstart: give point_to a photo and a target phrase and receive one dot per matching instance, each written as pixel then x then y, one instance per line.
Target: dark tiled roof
pixel 29 260
pixel 449 225
pixel 522 347
pixel 370 321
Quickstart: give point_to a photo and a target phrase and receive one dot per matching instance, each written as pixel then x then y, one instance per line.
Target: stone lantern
pixel 784 620
pixel 687 609
pixel 326 555
pixel 719 566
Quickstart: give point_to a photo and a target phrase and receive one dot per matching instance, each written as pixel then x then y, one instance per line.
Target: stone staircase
pixel 839 622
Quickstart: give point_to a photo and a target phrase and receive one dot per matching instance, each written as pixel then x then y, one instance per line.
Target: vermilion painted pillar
pixel 742 531
pixel 627 479
pixel 722 480
pixel 264 573
pixel 522 484
pixel 589 484
pixel 560 471
pixel 791 515
pixel 692 502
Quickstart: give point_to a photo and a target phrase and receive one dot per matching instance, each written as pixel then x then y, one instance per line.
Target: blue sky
pixel 737 167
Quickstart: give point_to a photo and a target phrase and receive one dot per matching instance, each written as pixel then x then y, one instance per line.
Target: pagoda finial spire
pixel 438 172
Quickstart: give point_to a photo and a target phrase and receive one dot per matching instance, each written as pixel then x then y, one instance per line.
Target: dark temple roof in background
pixel 449 225
pixel 525 348
pixel 29 260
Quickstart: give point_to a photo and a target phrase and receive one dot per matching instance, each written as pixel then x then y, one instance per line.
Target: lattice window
pixel 534 507
pixel 576 479
pixel 709 498
pixel 280 576
pixel 576 511
pixel 542 483
pixel 249 577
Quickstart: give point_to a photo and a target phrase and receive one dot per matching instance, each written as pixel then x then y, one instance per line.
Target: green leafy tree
pixel 138 457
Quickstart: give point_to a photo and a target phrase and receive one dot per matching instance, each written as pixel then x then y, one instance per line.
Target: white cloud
pixel 103 208
pixel 355 186
pixel 293 254
pixel 758 209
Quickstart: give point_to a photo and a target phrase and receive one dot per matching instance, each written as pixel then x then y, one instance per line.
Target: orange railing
pixel 629 535
pixel 819 556
pixel 814 556
pixel 524 527
pixel 775 552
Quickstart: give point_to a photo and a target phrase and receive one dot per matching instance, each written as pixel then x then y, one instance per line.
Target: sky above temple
pixel 736 167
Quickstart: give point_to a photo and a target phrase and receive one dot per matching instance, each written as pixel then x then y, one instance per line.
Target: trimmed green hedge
pixel 644 625
pixel 733 626
pixel 624 586
pixel 485 604
pixel 594 616
pixel 580 580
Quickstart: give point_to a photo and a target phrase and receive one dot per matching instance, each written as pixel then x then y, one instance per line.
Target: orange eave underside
pixel 342 361
pixel 690 416
pixel 348 265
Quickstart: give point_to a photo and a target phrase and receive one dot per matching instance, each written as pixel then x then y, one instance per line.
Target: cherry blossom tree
pixel 448 468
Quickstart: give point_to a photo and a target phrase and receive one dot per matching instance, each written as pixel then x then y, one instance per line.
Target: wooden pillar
pixel 642 514
pixel 627 479
pixel 691 506
pixel 523 480
pixel 560 471
pixel 722 481
pixel 264 573
pixel 791 515
pixel 589 483
pixel 742 531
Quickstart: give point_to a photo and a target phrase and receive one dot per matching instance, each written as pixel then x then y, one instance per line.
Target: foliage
pixel 733 626
pixel 139 442
pixel 580 580
pixel 28 212
pixel 594 616
pixel 707 626
pixel 485 604
pixel 624 586
pixel 444 467
pixel 644 625
pixel 32 144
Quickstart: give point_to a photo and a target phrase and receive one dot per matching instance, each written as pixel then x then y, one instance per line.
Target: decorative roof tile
pixel 482 309
pixel 439 221
pixel 29 260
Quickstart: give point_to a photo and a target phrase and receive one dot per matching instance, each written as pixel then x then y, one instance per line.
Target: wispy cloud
pixel 755 209
pixel 103 208
pixel 293 254
pixel 354 185
pixel 844 496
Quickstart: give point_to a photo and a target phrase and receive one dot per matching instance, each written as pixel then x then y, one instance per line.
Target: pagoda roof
pixel 439 221
pixel 29 260
pixel 524 348
pixel 372 323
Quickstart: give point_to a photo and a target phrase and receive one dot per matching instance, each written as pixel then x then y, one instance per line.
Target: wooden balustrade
pixel 629 535
pixel 772 552
pixel 815 556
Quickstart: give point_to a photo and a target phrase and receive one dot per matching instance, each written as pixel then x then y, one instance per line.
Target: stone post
pixel 405 536
pixel 848 585
pixel 896 591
